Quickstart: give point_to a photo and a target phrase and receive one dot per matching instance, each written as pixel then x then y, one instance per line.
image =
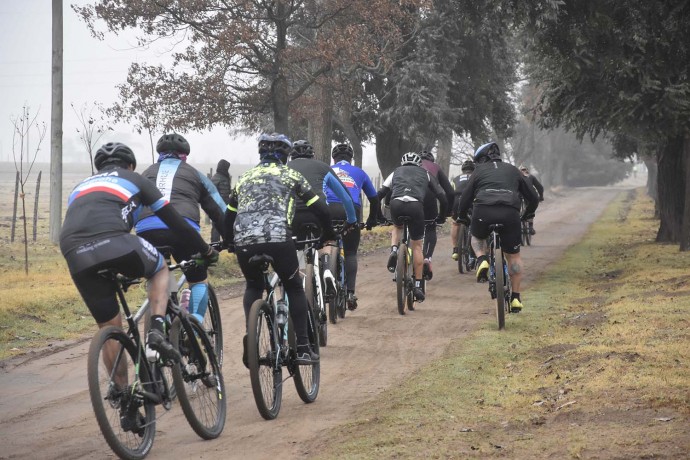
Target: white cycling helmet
pixel 411 158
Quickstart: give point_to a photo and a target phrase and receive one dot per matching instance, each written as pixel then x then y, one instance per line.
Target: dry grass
pixel 597 368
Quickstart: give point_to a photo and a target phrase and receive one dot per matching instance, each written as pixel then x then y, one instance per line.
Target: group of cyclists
pixel 270 203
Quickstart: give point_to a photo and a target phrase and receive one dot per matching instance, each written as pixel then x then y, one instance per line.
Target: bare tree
pixel 93 126
pixel 24 158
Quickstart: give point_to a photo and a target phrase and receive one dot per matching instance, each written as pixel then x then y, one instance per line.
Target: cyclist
pixel 532 180
pixel 222 180
pixel 494 191
pixel 321 178
pixel 407 185
pixel 356 181
pixel 185 188
pixel 96 235
pixel 431 209
pixel 459 184
pixel 258 220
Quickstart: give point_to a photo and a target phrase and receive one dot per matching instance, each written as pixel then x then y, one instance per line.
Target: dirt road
pixel 44 404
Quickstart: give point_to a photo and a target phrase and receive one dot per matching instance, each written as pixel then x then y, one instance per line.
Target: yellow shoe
pixel 483 272
pixel 515 306
pixel 455 255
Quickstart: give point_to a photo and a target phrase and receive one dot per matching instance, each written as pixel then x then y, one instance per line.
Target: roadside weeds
pixel 596 367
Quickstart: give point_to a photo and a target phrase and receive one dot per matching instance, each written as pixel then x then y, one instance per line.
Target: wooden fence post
pixel 38 188
pixel 14 210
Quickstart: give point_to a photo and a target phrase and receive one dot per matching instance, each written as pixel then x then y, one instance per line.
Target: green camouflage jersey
pixel 264 200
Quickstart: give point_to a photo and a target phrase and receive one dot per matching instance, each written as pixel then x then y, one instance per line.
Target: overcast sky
pixel 92 69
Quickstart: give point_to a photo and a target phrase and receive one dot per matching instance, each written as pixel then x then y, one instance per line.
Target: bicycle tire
pixel 400 275
pixel 409 280
pixel 500 288
pixel 528 235
pixel 213 325
pixel 262 354
pixel 341 305
pixel 108 406
pixel 332 294
pixel 307 377
pixel 198 380
pixel 314 305
pixel 461 248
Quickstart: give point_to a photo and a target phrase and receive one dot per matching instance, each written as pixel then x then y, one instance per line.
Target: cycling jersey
pixel 534 182
pixel 497 183
pixel 323 180
pixel 430 206
pixel 355 180
pixel 185 188
pixel 106 204
pixel 410 183
pixel 459 184
pixel 262 204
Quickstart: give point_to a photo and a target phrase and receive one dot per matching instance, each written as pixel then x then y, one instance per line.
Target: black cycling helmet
pixel 302 149
pixel 487 152
pixel 343 150
pixel 467 166
pixel 274 146
pixel 174 143
pixel 114 152
pixel 427 155
pixel 411 158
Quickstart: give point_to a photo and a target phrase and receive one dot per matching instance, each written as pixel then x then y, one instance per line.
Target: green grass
pixel 601 355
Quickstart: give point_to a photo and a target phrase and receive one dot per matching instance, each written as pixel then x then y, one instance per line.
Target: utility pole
pixel 56 126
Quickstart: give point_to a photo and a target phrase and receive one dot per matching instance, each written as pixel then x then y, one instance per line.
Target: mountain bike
pixel 123 382
pixel 499 277
pixel 334 277
pixel 313 285
pixel 212 322
pixel 271 346
pixel 524 228
pixel 466 256
pixel 404 270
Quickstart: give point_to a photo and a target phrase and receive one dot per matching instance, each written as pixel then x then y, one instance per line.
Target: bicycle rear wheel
pixel 462 250
pixel 331 296
pixel 265 371
pixel 198 379
pixel 116 396
pixel 401 278
pixel 213 325
pixel 500 288
pixel 314 304
pixel 409 280
pixel 307 377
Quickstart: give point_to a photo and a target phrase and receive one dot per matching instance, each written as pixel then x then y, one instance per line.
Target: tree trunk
pixel 280 97
pixel 390 147
pixel 685 226
pixel 444 151
pixel 321 126
pixel 56 127
pixel 671 189
pixel 342 120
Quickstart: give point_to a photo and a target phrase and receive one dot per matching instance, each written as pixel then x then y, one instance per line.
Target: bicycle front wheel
pixel 307 377
pixel 462 250
pixel 409 279
pixel 265 370
pixel 401 278
pixel 500 288
pixel 126 419
pixel 213 325
pixel 198 379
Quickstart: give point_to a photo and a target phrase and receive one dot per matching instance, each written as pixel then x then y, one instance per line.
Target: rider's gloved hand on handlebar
pixel 211 257
pixel 348 227
pixel 371 223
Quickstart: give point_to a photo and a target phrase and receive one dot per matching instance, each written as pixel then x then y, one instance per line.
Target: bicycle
pixel 404 269
pixel 466 256
pixel 122 381
pixel 500 287
pixel 524 228
pixel 271 346
pixel 313 285
pixel 335 277
pixel 212 322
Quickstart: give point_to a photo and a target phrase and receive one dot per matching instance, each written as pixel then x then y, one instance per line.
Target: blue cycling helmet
pixel 274 146
pixel 487 152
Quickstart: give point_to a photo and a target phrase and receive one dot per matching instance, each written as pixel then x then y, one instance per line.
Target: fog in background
pixel 92 69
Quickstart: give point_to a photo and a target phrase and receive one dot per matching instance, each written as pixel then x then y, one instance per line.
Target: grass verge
pixel 597 367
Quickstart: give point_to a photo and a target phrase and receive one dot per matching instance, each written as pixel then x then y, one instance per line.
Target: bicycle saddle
pixel 261 259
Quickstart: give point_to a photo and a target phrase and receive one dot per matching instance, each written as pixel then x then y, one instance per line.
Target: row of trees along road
pixel 419 73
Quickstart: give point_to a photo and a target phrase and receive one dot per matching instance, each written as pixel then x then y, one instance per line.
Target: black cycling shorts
pixel 127 254
pixel 510 233
pixel 351 240
pixel 412 209
pixel 168 241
